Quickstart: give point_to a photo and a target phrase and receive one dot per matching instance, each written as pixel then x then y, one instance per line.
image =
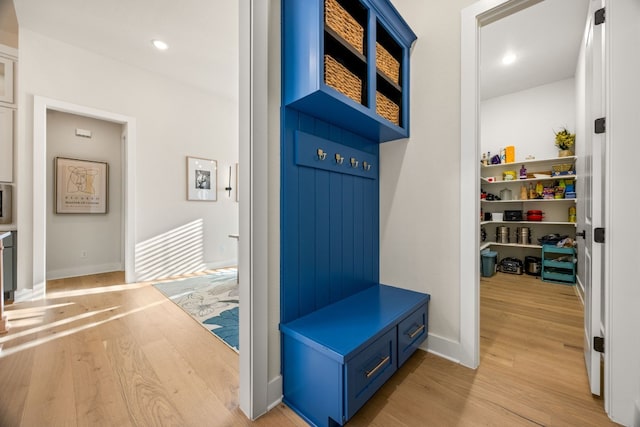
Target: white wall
pixel 420 177
pixel 528 119
pixel 173 121
pixel 97 235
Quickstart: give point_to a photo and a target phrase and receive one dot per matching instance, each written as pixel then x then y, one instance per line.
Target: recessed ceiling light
pixel 509 59
pixel 160 45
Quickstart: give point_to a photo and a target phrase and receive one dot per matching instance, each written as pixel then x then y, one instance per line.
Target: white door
pixel 591 253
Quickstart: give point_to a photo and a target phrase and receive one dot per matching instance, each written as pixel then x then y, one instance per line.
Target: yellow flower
pixel 564 139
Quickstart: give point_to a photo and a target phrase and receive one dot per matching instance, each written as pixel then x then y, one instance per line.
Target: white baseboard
pixel 580 289
pixel 150 276
pixel 222 264
pixel 274 392
pixel 443 347
pixel 22 295
pixel 84 270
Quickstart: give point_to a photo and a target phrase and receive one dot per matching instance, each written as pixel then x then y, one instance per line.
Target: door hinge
pixel 599 16
pixel 599 125
pixel 598 235
pixel 598 344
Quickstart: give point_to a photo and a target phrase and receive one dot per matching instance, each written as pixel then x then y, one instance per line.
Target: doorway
pixel 128 137
pixel 84 196
pixel 473 19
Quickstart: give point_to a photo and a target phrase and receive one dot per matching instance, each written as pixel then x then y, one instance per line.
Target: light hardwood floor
pixel 99 353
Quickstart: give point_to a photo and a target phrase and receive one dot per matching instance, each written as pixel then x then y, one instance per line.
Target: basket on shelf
pixel 387 63
pixel 341 79
pixel 563 169
pixel 387 109
pixel 340 21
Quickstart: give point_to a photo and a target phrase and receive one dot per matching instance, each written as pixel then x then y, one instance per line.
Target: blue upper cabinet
pixel 347 62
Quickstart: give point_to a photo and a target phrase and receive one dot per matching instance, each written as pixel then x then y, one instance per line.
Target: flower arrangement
pixel 565 140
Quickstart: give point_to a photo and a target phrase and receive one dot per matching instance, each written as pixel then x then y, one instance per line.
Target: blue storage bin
pixel 489 260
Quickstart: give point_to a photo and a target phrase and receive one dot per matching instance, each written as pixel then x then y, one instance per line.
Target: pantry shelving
pixel 548 173
pixel 530 222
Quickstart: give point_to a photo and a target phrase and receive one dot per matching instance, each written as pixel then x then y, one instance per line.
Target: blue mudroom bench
pixel 336 358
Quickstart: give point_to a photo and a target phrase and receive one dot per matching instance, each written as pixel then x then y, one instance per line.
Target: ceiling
pixel 546 40
pixel 202 35
pixel 203 39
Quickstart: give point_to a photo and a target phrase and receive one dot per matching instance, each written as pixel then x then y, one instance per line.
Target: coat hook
pixel 366 166
pixel 321 154
pixel 354 162
pixel 339 159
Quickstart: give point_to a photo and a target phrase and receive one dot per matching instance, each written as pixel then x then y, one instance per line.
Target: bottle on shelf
pixel 503 155
pixel 523 172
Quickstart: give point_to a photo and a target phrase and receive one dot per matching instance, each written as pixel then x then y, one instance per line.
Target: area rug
pixel 212 300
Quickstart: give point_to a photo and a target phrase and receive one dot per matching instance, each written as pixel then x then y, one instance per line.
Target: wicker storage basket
pixel 387 63
pixel 564 167
pixel 387 109
pixel 341 79
pixel 339 20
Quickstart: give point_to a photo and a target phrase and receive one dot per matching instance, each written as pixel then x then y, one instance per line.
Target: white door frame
pixel 473 17
pixel 253 241
pixel 40 107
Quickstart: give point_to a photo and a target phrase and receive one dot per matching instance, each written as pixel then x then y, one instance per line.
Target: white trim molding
pixel 473 17
pixel 253 241
pixel 40 107
pixel 443 347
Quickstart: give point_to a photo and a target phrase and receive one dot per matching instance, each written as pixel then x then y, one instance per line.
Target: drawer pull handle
pixel 377 368
pixel 416 332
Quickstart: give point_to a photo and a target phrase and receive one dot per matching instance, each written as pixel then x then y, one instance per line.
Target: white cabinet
pixel 6 144
pixel 8 59
pixel 6 80
pixel 555 211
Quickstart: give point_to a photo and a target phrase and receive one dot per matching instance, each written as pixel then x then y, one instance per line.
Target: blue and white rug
pixel 212 300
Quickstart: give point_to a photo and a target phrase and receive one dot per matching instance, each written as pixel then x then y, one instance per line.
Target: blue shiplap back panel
pixel 329 223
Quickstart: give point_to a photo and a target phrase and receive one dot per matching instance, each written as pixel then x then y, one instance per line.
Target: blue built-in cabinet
pixel 306 43
pixel 343 333
pixel 329 218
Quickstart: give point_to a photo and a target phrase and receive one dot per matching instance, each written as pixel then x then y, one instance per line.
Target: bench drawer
pixel 412 332
pixel 368 370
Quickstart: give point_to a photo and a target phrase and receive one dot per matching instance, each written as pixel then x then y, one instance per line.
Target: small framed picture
pixel 81 186
pixel 202 179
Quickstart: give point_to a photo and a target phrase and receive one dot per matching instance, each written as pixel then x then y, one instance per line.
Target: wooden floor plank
pixel 98 352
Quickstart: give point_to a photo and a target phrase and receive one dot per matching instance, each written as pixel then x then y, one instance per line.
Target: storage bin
pixel 340 21
pixel 489 259
pixel 341 79
pixel 386 63
pixel 387 109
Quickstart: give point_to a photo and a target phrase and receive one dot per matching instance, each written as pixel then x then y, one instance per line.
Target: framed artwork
pixel 81 186
pixel 202 179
